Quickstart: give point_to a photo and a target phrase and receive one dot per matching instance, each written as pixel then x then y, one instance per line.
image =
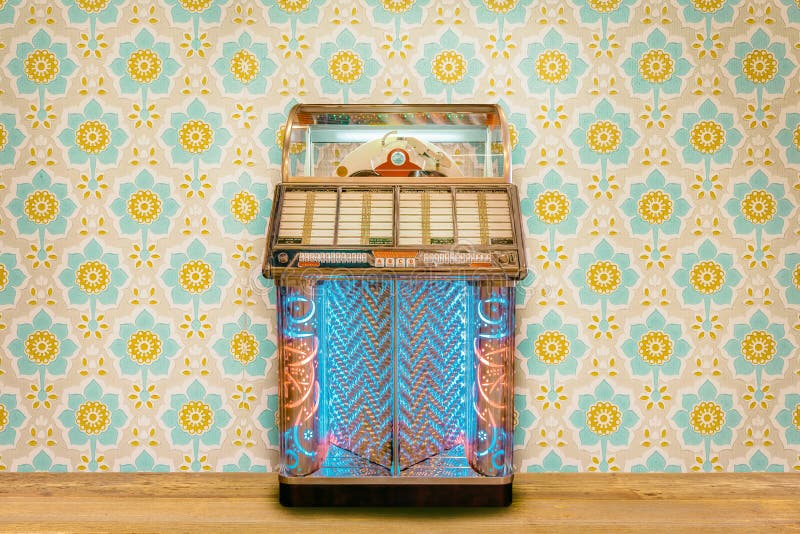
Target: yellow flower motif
pixel 603 418
pixel 41 207
pixel 796 136
pixel 604 136
pixel 144 347
pixel 3 136
pixel 795 417
pixel 42 347
pixel 144 206
pixel 3 277
pixel 41 66
pixel 93 277
pixel 553 66
pixel 759 347
pixel 513 136
pixel 760 66
pixel 294 148
pixel 196 6
pixel 195 417
pixel 708 6
pixel 552 206
pixel 196 276
pixel 759 206
pixel 604 277
pixel 449 66
pixel 345 66
pixel 93 418
pixel 397 6
pixel 92 6
pixel 93 136
pixel 604 6
pixel 796 276
pixel 144 65
pixel 243 347
pixel 3 417
pixel 655 347
pixel 280 135
pixel 655 207
pixel 656 66
pixel 500 6
pixel 244 206
pixel 707 277
pixel 293 6
pixel 707 137
pixel 551 347
pixel 195 136
pixel 244 66
pixel 707 418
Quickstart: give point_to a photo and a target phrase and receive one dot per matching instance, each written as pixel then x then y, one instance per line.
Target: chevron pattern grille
pixel 358 318
pixel 431 360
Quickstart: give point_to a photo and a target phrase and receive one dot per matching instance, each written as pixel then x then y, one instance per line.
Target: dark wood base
pixel 395 494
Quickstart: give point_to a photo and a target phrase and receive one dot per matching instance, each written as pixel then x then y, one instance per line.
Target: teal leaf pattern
pixel 655 148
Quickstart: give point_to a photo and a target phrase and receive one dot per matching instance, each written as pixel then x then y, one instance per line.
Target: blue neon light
pixel 299 324
pixel 501 322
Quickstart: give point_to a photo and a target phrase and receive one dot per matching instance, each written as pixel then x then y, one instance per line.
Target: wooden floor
pixel 37 502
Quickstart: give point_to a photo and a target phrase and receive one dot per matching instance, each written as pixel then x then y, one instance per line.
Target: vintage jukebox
pixel 395 242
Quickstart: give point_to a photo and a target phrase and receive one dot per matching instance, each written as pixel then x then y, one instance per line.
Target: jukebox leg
pixel 490 428
pixel 302 445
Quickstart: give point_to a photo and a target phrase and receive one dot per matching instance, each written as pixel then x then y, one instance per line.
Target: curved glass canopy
pixel 417 143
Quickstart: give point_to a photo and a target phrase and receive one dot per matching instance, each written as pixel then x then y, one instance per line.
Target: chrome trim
pixel 395 470
pixel 336 217
pixel 453 213
pixel 395 216
pixel 273 217
pixel 519 232
pixel 399 481
pixel 390 180
pixel 287 137
pixel 506 133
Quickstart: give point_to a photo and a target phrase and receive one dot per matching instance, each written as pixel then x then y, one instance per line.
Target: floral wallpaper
pixel 656 145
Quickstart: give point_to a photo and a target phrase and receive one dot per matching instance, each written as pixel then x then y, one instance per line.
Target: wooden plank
pixel 526 485
pixel 542 502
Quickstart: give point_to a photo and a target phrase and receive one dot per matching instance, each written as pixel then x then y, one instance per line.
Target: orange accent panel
pixel 394 253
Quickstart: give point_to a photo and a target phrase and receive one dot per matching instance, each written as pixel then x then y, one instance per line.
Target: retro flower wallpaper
pixel 656 146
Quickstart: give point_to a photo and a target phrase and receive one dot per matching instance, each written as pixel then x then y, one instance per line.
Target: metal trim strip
pixel 400 481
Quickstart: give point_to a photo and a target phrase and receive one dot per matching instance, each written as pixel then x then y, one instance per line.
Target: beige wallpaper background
pixel 656 148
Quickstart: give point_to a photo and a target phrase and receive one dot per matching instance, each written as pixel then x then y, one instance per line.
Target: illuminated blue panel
pixel 358 366
pixel 342 463
pixel 394 360
pixel 300 389
pixel 431 354
pixel 490 437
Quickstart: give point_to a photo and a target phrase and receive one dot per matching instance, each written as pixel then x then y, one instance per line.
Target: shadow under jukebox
pixel 395 242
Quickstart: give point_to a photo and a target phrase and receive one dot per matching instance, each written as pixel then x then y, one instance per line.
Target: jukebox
pixel 395 242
